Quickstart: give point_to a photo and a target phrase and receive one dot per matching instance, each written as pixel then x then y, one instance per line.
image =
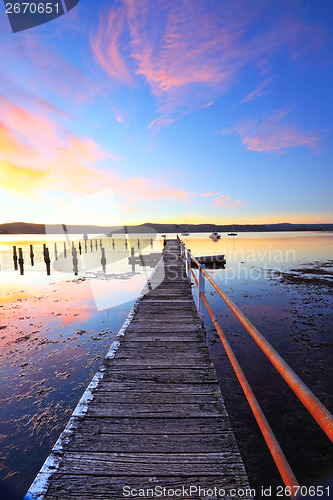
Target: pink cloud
pixel 236 204
pixel 106 46
pixel 120 117
pixel 220 200
pixel 223 200
pixel 38 154
pixel 273 134
pixel 208 194
pixel 258 91
pixel 189 55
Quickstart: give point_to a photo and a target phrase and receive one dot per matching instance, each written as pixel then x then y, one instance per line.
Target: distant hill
pixel 26 228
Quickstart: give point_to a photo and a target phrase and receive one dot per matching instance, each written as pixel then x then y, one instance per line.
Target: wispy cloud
pixel 106 45
pixel 236 203
pixel 189 54
pixel 258 91
pixel 220 200
pixel 120 117
pixel 224 200
pixel 208 193
pixel 273 134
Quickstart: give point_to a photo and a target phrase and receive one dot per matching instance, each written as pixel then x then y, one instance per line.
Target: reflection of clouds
pixel 108 293
pixel 27 311
pixel 24 309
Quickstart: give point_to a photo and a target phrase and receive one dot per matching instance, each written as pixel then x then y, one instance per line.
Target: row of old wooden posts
pixel 19 260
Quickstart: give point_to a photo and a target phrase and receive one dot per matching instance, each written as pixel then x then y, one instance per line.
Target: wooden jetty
pixel 153 417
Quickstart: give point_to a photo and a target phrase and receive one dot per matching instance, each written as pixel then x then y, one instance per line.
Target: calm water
pixel 283 283
pixel 55 330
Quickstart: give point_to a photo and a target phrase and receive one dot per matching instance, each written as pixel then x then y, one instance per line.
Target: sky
pixel 179 111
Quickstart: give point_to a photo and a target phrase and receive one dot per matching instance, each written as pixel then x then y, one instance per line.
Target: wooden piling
pixel 75 262
pixel 132 259
pixel 32 255
pixel 47 260
pixel 15 258
pixel 65 250
pixel 55 251
pixel 103 260
pixel 21 261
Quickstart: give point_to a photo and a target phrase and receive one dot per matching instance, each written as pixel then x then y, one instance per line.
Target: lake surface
pixel 55 331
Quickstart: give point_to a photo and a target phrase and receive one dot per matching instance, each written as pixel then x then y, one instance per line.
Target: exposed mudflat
pixel 52 341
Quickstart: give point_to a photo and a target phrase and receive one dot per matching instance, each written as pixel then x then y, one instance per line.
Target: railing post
pixel 189 277
pixel 201 289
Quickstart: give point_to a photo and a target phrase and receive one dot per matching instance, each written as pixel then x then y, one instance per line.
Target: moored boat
pixel 233 231
pixel 215 236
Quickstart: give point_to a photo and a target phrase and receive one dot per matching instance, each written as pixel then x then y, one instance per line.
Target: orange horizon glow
pixel 196 220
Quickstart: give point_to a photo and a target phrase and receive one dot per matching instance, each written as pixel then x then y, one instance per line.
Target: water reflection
pixel 54 332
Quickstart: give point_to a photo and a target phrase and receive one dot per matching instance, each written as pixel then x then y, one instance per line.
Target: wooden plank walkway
pixel 153 416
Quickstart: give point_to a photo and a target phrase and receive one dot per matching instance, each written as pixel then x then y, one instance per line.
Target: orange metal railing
pixel 313 405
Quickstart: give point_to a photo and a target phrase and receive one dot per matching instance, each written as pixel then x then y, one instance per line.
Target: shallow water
pixel 290 302
pixel 54 333
pixel 55 330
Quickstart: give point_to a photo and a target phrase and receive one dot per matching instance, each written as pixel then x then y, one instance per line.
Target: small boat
pixel 108 235
pixel 233 231
pixel 215 236
pixel 185 233
pixel 163 235
pixel 210 260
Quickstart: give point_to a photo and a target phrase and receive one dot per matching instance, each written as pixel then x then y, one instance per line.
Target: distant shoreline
pixel 27 228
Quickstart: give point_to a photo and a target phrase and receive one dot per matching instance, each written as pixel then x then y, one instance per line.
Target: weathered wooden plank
pixel 163 328
pixel 177 443
pixel 160 347
pixel 165 337
pixel 171 375
pixel 149 398
pixel 72 487
pixel 101 408
pixel 132 345
pixel 161 361
pixel 134 464
pixel 170 426
pixel 126 388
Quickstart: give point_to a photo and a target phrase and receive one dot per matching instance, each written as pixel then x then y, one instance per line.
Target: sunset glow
pixel 183 110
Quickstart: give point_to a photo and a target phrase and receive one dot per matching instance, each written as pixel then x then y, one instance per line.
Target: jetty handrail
pixel 322 416
pixel 278 456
